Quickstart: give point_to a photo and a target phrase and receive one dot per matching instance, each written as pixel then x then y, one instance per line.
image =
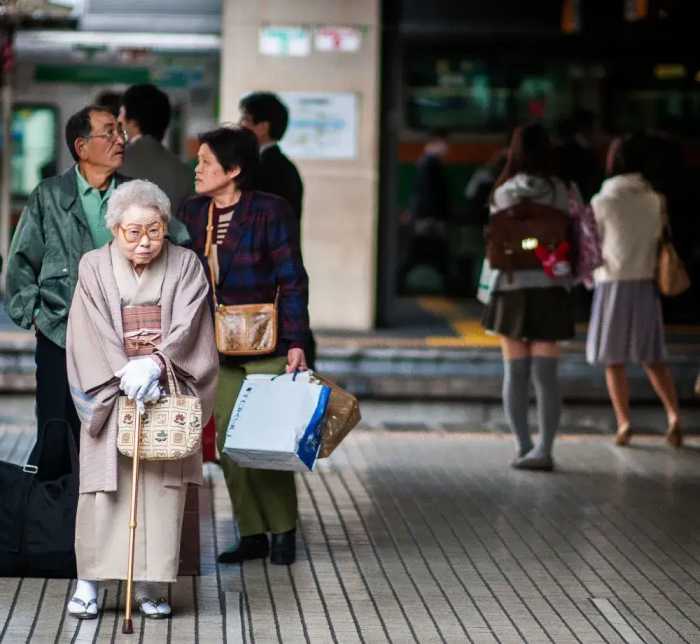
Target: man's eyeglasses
pixel 134 233
pixel 111 135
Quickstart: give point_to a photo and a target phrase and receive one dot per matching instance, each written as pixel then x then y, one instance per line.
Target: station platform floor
pixel 429 536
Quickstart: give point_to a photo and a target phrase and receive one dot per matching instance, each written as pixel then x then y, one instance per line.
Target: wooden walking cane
pixel 127 625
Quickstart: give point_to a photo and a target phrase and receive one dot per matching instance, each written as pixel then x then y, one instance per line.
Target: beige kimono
pixel 95 345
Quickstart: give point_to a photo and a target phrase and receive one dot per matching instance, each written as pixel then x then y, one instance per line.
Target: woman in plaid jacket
pixel 256 241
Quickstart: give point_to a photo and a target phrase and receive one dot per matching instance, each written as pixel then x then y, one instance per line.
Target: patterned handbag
pixel 171 428
pixel 587 246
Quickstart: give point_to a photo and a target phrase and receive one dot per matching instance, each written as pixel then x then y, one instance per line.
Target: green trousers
pixel 263 500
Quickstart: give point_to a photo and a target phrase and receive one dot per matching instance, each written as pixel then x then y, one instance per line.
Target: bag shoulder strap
pixel 208 249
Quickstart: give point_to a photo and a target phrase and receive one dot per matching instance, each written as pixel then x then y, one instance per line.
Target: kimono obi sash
pixel 142 330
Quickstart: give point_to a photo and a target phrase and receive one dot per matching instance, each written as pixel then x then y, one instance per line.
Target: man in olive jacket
pixel 63 219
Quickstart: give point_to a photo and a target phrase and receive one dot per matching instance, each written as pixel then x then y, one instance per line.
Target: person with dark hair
pixel 266 116
pixel 531 310
pixel 110 100
pixel 63 219
pixel 626 323
pixel 145 115
pixel 248 242
pixel 428 212
pixel 578 161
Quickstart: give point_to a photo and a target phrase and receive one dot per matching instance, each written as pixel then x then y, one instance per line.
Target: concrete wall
pixel 339 226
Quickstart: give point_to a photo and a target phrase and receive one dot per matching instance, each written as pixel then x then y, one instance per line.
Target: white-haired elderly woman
pixel 140 304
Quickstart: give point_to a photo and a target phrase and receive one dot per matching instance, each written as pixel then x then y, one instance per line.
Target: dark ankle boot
pixel 284 548
pixel 254 546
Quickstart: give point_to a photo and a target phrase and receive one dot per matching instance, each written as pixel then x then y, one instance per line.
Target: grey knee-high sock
pixel 516 385
pixel 546 381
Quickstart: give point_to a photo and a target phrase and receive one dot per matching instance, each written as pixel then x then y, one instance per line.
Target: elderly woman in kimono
pixel 140 305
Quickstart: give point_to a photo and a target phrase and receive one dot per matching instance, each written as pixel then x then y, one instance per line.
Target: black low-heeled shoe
pixel 254 546
pixel 284 548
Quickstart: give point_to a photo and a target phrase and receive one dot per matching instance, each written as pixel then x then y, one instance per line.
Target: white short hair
pixel 136 193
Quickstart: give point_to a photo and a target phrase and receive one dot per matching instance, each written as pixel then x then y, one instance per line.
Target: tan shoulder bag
pixel 240 329
pixel 671 275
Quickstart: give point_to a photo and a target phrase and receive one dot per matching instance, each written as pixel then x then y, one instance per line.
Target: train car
pixel 477 74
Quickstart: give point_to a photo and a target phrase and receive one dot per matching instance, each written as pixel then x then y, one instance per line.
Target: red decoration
pixel 555 263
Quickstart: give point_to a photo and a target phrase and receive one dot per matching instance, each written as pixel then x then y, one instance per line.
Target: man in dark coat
pixel 266 116
pixel 145 115
pixel 428 212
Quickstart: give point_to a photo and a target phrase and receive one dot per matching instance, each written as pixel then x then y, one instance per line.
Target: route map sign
pixel 322 125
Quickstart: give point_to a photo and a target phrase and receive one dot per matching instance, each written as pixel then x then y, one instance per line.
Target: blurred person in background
pixel 578 159
pixel 255 256
pixel 480 186
pixel 626 323
pixel 266 116
pixel 110 100
pixel 428 212
pixel 530 310
pixel 145 115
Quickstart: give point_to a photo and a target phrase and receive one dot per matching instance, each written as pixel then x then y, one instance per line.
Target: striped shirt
pixel 222 219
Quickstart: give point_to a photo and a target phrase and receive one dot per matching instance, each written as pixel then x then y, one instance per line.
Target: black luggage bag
pixel 37 517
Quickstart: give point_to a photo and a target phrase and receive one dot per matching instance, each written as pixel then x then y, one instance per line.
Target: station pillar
pixel 275 46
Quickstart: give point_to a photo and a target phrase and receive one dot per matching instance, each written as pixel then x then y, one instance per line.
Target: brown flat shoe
pixel 674 435
pixel 623 436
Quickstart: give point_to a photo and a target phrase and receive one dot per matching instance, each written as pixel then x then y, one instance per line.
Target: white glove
pixel 153 394
pixel 137 376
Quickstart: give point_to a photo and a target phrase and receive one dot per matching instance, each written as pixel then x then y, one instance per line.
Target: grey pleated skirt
pixel 626 324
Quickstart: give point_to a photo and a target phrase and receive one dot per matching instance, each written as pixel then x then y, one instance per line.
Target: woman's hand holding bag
pixel 138 377
pixel 296 360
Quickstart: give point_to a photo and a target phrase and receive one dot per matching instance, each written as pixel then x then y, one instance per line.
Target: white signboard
pixel 344 39
pixel 322 125
pixel 278 40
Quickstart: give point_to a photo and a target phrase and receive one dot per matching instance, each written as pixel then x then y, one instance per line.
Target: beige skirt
pixel 102 527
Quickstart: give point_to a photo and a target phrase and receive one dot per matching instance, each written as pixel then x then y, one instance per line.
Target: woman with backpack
pixel 531 308
pixel 626 323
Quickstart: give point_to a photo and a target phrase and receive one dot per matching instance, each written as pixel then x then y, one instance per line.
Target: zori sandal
pixel 158 609
pixel 82 609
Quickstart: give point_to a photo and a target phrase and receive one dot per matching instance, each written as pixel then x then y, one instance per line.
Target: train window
pixel 675 110
pixel 543 94
pixel 34 146
pixel 458 95
pixel 478 96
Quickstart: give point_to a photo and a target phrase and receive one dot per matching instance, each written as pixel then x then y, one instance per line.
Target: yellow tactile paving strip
pixel 469 331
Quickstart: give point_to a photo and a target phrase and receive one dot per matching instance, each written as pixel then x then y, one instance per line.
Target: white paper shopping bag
pixel 276 423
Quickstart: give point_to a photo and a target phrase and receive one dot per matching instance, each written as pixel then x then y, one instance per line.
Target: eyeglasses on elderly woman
pixel 134 233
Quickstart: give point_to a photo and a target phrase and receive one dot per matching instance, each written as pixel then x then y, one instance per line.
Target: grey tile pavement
pixel 431 537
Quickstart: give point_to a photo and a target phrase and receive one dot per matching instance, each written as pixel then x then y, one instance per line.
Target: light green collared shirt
pixel 95 208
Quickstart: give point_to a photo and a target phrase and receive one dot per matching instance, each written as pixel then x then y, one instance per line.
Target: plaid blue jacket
pixel 261 252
